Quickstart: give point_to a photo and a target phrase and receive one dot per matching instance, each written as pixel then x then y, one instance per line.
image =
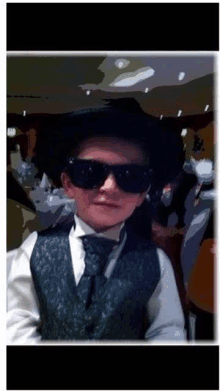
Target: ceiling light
pixel 181 76
pixel 11 132
pixel 184 132
pixel 121 63
pixel 131 78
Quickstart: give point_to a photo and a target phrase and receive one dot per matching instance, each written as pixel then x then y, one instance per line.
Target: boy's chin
pixel 102 224
pixel 102 220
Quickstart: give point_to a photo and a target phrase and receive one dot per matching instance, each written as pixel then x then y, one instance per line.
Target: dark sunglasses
pixel 91 174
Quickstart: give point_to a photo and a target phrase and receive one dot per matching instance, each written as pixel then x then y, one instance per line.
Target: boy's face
pixel 107 205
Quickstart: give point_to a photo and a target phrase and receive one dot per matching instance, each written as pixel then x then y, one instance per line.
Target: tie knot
pixel 97 251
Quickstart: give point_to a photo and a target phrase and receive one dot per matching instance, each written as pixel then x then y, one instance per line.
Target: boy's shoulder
pixel 139 250
pixel 141 241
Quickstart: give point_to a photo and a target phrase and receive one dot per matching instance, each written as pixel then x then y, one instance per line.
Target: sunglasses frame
pixel 119 175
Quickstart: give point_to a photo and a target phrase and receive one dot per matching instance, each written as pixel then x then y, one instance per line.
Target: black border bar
pixel 112 26
pixel 111 367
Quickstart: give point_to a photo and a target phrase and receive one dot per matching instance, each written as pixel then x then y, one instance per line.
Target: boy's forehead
pixel 109 146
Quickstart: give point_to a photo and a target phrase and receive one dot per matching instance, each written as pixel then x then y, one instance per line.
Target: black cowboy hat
pixel 122 118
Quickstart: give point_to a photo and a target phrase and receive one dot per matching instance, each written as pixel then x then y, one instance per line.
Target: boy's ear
pixel 67 184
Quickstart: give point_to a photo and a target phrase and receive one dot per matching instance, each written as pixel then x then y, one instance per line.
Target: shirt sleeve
pixel 164 309
pixel 23 316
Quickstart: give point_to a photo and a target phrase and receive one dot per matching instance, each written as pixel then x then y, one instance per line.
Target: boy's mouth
pixel 107 204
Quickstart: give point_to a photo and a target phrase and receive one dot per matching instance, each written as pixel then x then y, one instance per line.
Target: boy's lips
pixel 107 204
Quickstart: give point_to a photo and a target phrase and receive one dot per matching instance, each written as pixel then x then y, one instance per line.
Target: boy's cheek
pixel 76 193
pixel 82 197
pixel 70 192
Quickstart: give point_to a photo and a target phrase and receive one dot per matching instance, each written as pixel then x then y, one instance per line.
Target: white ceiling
pixel 166 70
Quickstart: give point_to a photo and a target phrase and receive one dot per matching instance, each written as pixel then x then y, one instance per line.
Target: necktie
pixel 97 251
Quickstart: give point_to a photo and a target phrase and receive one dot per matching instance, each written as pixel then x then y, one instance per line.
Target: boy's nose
pixel 110 184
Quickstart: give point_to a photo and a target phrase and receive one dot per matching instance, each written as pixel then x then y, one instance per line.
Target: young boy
pixel 99 277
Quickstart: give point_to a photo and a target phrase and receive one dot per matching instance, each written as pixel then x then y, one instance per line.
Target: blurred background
pixel 177 89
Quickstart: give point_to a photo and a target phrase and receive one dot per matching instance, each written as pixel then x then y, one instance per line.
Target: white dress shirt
pixel 163 309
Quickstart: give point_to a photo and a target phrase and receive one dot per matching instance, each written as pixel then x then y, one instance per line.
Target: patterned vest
pixel 120 312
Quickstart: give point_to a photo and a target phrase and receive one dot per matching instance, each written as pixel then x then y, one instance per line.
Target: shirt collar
pixel 82 229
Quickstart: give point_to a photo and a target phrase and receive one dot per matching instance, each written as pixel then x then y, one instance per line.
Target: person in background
pixel 49 203
pixel 201 288
pixel 21 212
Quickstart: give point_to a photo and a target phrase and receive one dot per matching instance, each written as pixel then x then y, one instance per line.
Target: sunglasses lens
pixel 87 174
pixel 132 179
